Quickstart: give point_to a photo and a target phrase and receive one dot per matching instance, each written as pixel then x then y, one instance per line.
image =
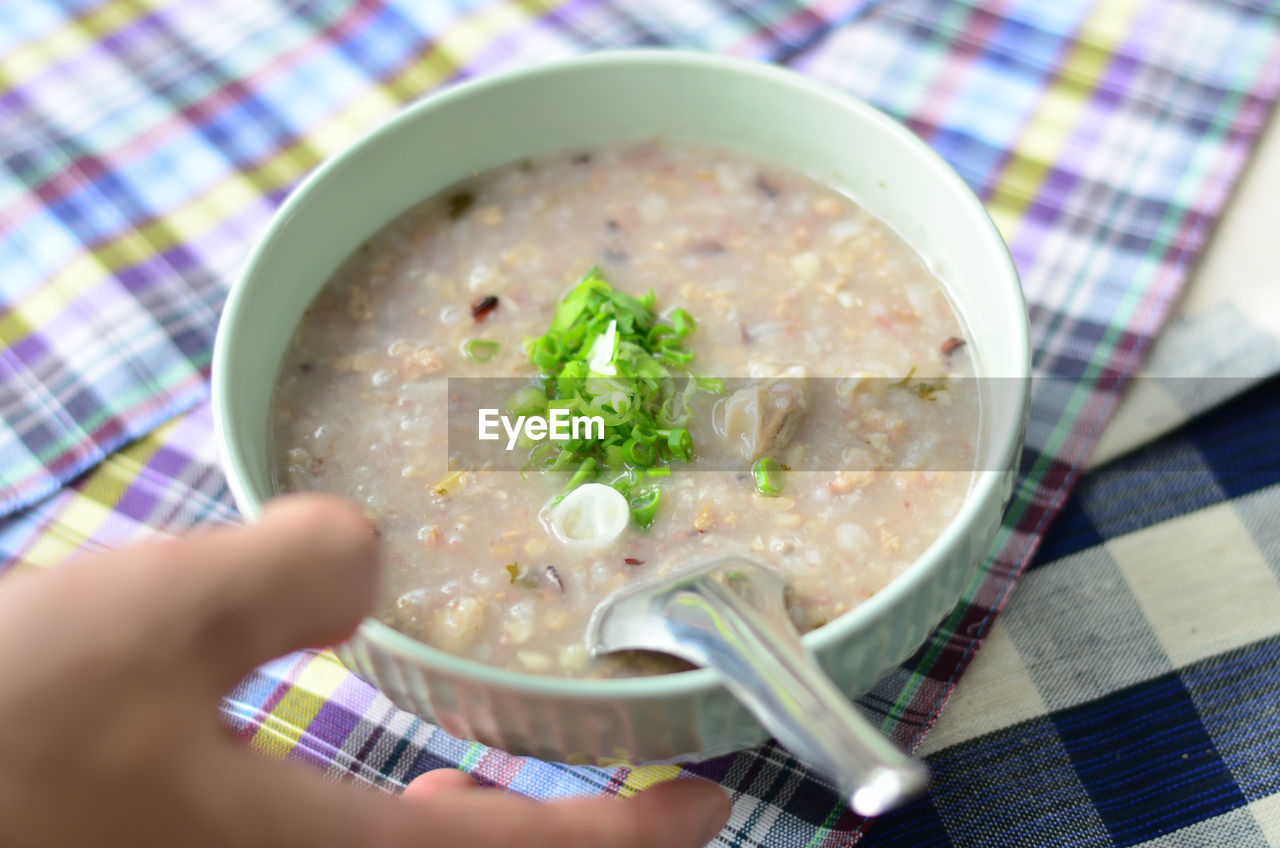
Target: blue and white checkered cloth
pixel 1130 693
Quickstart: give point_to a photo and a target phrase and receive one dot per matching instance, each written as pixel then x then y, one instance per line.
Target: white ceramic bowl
pixel 597 99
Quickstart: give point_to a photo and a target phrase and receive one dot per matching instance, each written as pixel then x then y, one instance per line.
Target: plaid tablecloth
pixel 145 145
pixel 1130 694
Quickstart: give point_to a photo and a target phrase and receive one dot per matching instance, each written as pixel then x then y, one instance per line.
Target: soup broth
pixel 839 356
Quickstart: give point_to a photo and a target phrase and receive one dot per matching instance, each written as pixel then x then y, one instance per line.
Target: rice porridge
pixel 776 375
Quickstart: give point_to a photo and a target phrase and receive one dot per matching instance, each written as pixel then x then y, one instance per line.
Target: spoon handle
pixel 761 659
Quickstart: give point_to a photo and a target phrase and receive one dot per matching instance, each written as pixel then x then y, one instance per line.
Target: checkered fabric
pixel 1130 695
pixel 1225 335
pixel 1104 137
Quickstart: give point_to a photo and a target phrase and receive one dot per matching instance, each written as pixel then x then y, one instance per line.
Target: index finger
pixel 229 599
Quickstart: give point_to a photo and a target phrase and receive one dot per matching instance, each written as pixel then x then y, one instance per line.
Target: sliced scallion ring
pixel 590 516
pixel 644 508
pixel 481 350
pixel 768 476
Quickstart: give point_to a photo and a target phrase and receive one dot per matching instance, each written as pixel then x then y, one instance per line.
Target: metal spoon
pixel 729 615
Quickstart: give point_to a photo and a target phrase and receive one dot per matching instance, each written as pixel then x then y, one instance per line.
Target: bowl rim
pixel 699 681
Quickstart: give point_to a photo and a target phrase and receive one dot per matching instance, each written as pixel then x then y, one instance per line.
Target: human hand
pixel 113 668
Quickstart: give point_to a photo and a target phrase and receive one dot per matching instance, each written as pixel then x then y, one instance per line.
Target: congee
pixel 605 365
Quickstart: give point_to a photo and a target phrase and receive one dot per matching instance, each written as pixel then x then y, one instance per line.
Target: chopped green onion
pixel 645 507
pixel 528 401
pixel 624 481
pixel 585 470
pixel 768 476
pixel 644 431
pixel 614 456
pixel 709 384
pixel 659 332
pixel 546 353
pixel 680 443
pixel 481 350
pixel 637 452
pixel 606 354
pixel 675 356
pixel 682 322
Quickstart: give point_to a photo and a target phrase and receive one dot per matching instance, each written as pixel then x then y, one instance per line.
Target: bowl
pixel 596 99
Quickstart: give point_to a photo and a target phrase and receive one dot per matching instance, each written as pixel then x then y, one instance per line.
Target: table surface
pixel 1128 694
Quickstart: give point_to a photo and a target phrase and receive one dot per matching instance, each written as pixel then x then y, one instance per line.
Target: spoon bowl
pixel 730 615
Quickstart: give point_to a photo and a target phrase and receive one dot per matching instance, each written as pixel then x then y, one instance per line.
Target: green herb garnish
pixel 645 507
pixel 528 401
pixel 924 389
pixel 607 354
pixel 768 476
pixel 518 576
pixel 481 350
pixel 929 391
